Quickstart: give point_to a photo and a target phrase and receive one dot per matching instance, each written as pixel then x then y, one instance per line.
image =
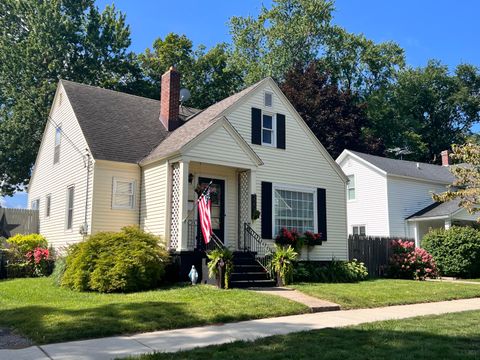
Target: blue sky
pixel 442 29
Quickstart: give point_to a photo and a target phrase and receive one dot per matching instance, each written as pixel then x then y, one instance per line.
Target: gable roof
pixel 437 209
pixel 118 126
pixel 195 126
pixel 403 168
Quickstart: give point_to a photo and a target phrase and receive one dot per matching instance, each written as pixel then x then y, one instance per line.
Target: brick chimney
pixel 445 158
pixel 170 99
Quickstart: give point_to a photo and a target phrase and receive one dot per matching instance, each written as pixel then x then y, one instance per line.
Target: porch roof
pixel 437 210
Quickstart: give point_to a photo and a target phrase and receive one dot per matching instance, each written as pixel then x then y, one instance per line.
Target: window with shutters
pixel 360 230
pixel 351 187
pixel 268 129
pixel 48 203
pixel 58 138
pixel 268 99
pixel 123 194
pixel 35 205
pixel 294 208
pixel 70 198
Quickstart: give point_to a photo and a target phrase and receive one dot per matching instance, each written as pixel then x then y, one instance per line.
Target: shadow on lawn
pixel 44 324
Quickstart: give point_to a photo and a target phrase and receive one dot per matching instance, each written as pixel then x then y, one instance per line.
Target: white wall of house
pixel 301 164
pixel 370 207
pixel 405 197
pixel 106 216
pixel 54 179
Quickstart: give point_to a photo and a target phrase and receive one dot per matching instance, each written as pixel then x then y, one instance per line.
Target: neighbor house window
pixel 123 194
pixel 48 203
pixel 359 230
pixel 268 130
pixel 268 99
pixel 294 209
pixel 351 187
pixel 70 194
pixel 35 205
pixel 56 151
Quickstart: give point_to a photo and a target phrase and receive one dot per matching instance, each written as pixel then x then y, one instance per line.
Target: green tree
pixel 41 42
pixel 206 74
pixel 333 114
pixel 427 109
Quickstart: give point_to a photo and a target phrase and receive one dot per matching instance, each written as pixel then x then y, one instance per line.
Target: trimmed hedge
pixel 333 272
pixel 456 251
pixel 26 243
pixel 125 261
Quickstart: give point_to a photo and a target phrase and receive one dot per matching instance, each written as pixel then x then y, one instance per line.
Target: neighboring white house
pixel 109 159
pixel 393 198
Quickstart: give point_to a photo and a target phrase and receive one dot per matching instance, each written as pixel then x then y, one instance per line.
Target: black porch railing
pixel 253 243
pixel 195 240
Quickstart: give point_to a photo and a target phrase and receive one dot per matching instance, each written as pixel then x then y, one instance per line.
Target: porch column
pixel 178 206
pixel 448 223
pixel 183 229
pixel 416 233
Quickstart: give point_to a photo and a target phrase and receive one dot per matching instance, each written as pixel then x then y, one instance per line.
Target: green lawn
pixel 45 313
pixel 452 336
pixel 375 293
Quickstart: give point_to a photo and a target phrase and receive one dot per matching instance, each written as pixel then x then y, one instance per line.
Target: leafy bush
pixel 26 243
pixel 129 260
pixel 220 258
pixel 456 250
pixel 41 261
pixel 58 270
pixel 409 262
pixel 333 272
pixel 282 263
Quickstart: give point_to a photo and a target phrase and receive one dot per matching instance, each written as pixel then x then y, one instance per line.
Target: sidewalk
pixel 183 339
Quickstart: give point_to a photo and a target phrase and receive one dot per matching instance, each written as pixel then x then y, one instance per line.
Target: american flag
pixel 204 204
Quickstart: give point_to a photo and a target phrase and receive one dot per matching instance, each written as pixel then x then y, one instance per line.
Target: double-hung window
pixel 58 138
pixel 123 194
pixel 35 205
pixel 268 129
pixel 359 230
pixel 48 205
pixel 351 188
pixel 70 197
pixel 294 209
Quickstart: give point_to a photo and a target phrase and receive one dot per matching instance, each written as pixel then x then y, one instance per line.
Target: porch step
pixel 247 272
pixel 261 275
pixel 242 284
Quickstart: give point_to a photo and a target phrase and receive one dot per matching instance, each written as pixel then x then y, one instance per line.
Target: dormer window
pixel 268 130
pixel 58 138
pixel 268 100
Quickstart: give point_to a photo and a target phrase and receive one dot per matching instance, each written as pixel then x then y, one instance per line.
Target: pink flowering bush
pixel 410 262
pixel 40 260
pixel 311 238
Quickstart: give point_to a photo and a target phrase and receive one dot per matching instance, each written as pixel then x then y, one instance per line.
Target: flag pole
pixel 199 198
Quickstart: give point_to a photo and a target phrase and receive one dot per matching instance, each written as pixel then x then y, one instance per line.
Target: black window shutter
pixel 256 126
pixel 281 131
pixel 266 214
pixel 322 213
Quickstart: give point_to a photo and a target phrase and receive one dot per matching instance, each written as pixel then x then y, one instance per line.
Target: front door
pixel 217 193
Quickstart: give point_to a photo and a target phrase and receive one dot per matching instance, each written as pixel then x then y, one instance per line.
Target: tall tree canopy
pixel 41 42
pixel 427 109
pixel 207 75
pixel 333 115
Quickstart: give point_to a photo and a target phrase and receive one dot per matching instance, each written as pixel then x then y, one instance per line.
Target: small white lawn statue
pixel 193 275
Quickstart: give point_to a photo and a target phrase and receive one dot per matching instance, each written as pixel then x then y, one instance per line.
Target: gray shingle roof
pixel 430 172
pixel 195 126
pixel 437 209
pixel 118 126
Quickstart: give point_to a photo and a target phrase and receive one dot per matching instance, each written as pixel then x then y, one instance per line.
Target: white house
pixel 393 198
pixel 109 159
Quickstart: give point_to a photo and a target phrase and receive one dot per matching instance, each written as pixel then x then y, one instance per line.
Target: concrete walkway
pixel 313 303
pixel 184 339
pixel 453 280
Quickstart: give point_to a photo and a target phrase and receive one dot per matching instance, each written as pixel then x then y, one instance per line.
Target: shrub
pixel 221 258
pixel 26 243
pixel 41 261
pixel 333 272
pixel 409 262
pixel 282 263
pixel 58 270
pixel 129 260
pixel 456 250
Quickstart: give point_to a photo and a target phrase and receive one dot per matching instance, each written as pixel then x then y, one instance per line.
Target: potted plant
pixel 282 263
pixel 220 266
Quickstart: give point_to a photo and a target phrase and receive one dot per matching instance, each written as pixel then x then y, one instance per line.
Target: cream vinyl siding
pixel 370 206
pixel 405 197
pixel 54 179
pixel 154 195
pixel 301 163
pixel 106 217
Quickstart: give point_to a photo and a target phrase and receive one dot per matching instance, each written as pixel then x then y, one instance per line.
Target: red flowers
pixel 39 258
pixel 296 240
pixel 410 262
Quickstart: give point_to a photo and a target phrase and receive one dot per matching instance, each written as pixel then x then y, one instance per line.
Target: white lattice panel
pixel 243 204
pixel 175 207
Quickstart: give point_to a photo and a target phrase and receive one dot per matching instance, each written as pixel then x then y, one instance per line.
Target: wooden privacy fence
pixel 18 221
pixel 374 252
